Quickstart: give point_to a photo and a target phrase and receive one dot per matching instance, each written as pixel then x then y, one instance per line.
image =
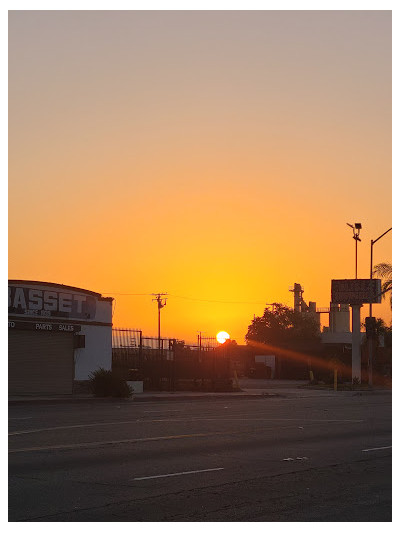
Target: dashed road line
pixel 94 444
pixel 374 449
pixel 177 474
pixel 103 443
pixel 164 411
pixel 191 419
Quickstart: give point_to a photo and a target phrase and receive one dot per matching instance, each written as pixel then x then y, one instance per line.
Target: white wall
pixel 97 352
pixel 103 311
pixel 338 337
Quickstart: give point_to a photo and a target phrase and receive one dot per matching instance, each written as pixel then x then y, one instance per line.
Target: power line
pixel 215 301
pixel 128 293
pixel 184 298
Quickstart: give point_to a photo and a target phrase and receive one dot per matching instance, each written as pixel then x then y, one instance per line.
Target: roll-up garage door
pixel 40 362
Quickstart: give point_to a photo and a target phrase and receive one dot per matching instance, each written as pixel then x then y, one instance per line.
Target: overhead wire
pixel 185 298
pixel 126 294
pixel 215 301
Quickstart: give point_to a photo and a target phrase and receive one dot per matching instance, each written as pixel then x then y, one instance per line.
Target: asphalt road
pixel 321 458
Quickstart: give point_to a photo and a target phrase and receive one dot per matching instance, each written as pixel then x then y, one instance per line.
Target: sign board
pixel 50 303
pixel 356 291
pixel 44 326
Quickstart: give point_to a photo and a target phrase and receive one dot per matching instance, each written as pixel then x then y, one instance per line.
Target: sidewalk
pixel 249 390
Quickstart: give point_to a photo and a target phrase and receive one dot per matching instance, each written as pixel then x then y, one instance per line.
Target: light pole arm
pixel 380 237
pixel 370 272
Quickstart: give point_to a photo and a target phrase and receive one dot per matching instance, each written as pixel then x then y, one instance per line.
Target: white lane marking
pixel 164 411
pixel 255 419
pixel 145 439
pixel 72 427
pixel 133 441
pixel 192 419
pixel 103 443
pixel 297 458
pixel 373 449
pixel 177 474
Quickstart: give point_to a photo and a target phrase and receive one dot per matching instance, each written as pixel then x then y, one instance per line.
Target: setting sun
pixel 222 336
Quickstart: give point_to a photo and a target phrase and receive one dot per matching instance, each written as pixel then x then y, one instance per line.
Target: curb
pixel 187 397
pixel 140 399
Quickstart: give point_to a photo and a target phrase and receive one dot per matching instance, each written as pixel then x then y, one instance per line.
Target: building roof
pixel 55 285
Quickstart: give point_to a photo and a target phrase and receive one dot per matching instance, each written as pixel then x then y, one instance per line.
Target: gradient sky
pixel 213 155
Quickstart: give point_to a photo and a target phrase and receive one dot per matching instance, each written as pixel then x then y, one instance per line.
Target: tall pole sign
pixel 356 292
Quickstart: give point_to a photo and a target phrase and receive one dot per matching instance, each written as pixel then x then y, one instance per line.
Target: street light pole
pixel 199 340
pixel 355 320
pixel 370 270
pixel 370 340
pixel 356 236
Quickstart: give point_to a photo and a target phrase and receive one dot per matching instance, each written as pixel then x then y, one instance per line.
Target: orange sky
pixel 216 156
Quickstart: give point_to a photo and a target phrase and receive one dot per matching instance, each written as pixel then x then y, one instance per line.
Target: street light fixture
pixel 356 236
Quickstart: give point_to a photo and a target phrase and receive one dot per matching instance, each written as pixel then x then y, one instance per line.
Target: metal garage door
pixel 40 362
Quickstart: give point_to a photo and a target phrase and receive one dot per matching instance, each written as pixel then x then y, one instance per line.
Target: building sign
pixel 44 326
pixel 50 303
pixel 356 291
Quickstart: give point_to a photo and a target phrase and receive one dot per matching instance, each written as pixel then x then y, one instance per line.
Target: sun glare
pixel 222 336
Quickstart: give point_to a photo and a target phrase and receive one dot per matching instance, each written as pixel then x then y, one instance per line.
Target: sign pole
pixel 356 344
pixel 356 292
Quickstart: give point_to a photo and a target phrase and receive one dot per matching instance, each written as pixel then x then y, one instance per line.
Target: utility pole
pixel 199 340
pixel 355 320
pixel 161 302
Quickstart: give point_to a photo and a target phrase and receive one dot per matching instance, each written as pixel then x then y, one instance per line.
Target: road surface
pixel 320 458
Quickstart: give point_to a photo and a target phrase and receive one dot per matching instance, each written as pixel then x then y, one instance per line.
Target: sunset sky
pixel 213 155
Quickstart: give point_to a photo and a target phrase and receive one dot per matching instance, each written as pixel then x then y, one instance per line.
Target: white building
pixel 57 335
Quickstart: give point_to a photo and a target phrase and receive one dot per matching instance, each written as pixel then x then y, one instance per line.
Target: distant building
pixel 300 305
pixel 338 331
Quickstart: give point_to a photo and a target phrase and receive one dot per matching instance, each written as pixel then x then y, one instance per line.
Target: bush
pixel 104 383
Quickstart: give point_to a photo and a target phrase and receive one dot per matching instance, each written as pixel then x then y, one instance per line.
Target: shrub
pixel 104 383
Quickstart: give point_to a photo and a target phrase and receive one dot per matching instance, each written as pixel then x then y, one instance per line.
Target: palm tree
pixel 384 271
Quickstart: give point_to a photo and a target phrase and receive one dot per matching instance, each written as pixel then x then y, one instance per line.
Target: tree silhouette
pixel 384 270
pixel 282 324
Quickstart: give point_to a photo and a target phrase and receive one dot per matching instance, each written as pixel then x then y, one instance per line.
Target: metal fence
pixel 135 357
pixel 126 338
